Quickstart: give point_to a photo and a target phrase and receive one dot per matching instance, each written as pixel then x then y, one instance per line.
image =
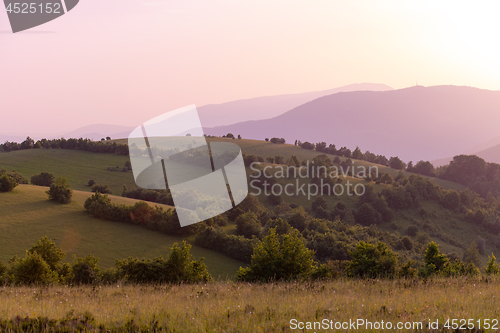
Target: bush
pixel 492 267
pixel 307 145
pixel 32 270
pixel 85 270
pixel 91 183
pixel 178 268
pixel 43 179
pixel 49 252
pixel 103 189
pixel 248 225
pixel 367 215
pixel 275 259
pixel 7 184
pixel 236 247
pixel 60 191
pixel 278 140
pixel 372 261
pixel 18 178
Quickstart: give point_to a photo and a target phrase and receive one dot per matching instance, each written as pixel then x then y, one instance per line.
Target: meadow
pixel 26 215
pixel 243 307
pixel 77 166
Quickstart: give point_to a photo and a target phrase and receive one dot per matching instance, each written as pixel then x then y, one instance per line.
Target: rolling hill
pixel 28 205
pixel 269 106
pixel 413 123
pixel 26 215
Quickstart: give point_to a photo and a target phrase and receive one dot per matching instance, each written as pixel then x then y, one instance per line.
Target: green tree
pixel 472 255
pixel 273 258
pixel 293 161
pixel 424 168
pixel 396 163
pixel 367 215
pixel 307 145
pixel 60 191
pixel 49 252
pixel 434 260
pixel 248 225
pixel 492 267
pixel 371 261
pixel 278 159
pixel 451 200
pixel 85 270
pixel 103 189
pixel 43 179
pixel 7 183
pixel 31 269
pixel 357 154
pixel 386 178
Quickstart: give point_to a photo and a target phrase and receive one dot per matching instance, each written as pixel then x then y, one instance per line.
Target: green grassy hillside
pixel 26 215
pixel 77 166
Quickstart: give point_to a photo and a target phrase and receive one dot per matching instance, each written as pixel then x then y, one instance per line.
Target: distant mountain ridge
pixel 270 106
pixel 412 123
pixel 214 114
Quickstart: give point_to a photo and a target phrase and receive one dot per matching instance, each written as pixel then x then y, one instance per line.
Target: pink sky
pixel 125 61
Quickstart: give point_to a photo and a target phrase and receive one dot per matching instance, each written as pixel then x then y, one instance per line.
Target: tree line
pixel 76 144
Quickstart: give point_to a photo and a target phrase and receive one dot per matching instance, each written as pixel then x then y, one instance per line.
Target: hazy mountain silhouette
pixel 99 131
pixel 413 123
pixel 269 106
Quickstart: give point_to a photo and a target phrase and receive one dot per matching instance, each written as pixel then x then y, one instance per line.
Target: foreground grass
pixel 26 215
pixel 243 307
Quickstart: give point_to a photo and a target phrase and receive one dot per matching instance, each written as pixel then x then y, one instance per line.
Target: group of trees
pixel 424 168
pixel 100 206
pixel 76 144
pixel 42 265
pixel 472 171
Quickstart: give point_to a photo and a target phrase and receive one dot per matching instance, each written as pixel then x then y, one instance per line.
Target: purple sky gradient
pixel 125 61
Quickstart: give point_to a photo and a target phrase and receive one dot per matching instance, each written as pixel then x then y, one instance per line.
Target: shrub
pixel 103 189
pixel 367 215
pixel 307 145
pixel 85 270
pixel 32 270
pixel 179 267
pixel 492 267
pixel 275 259
pixel 49 252
pixel 18 178
pixel 60 191
pixel 433 259
pixel 43 179
pixel 7 184
pixel 91 183
pixel 372 261
pixel 278 140
pixel 248 225
pixel 236 247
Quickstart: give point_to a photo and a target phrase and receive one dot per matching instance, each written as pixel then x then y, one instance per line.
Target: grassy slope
pixel 78 166
pixel 265 149
pixel 26 215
